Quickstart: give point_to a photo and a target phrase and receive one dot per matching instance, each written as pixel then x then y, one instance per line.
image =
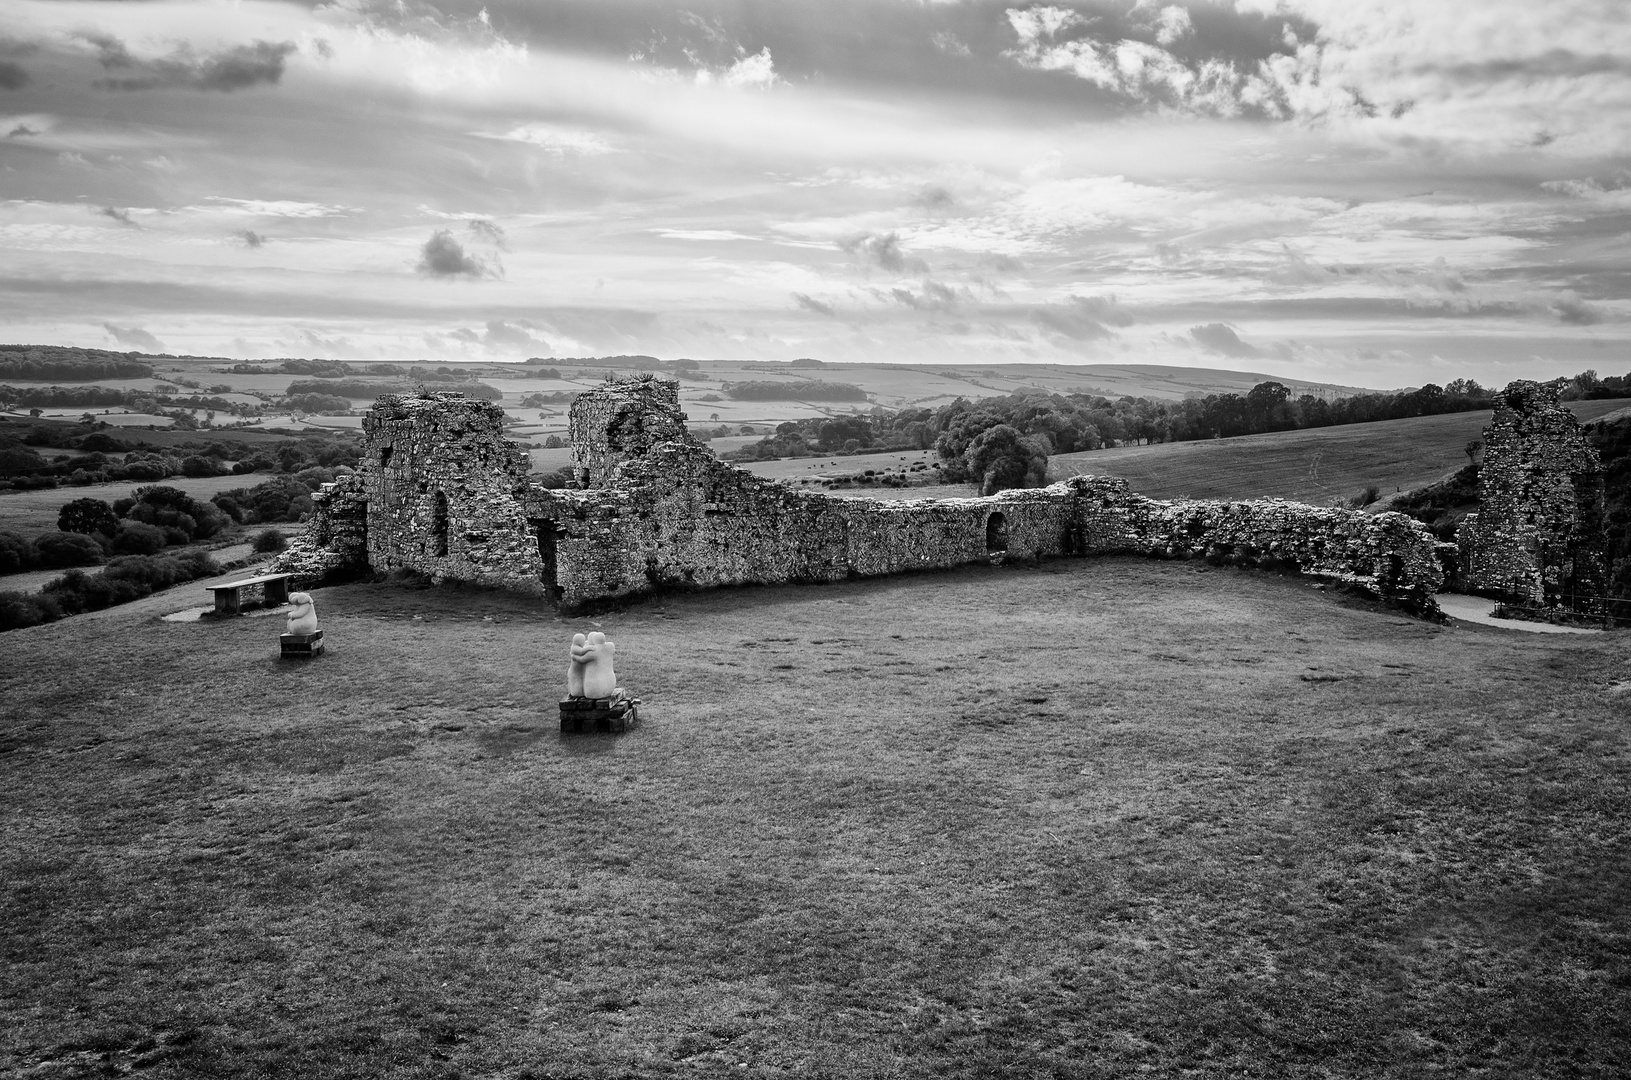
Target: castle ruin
pixel 1538 536
pixel 442 492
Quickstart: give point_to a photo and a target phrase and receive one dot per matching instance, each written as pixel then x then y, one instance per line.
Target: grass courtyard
pixel 1091 818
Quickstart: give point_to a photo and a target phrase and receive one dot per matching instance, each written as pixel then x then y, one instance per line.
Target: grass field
pixel 1091 818
pixel 34 512
pixel 1309 466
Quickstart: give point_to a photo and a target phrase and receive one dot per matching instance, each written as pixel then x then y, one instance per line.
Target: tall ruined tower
pixel 1539 531
pixel 621 420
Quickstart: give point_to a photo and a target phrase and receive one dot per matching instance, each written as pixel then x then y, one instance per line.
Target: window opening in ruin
pixel 548 533
pixel 384 456
pixel 438 525
pixel 996 534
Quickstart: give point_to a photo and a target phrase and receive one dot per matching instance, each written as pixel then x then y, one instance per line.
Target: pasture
pixel 1311 465
pixel 1089 818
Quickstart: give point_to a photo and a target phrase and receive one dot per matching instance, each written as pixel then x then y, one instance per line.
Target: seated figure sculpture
pixel 303 619
pixel 590 673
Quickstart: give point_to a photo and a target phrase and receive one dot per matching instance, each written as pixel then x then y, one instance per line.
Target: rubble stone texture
pixel 1539 530
pixel 447 495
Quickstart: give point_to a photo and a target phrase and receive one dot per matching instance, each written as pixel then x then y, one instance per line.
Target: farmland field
pixel 1311 465
pixel 1091 818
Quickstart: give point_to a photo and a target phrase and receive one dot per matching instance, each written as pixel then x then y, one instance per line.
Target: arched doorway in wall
pixel 438 526
pixel 996 534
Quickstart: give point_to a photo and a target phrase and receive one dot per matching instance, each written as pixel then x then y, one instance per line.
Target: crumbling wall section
pixel 1539 533
pixel 1389 554
pixel 622 420
pixel 335 543
pixel 678 517
pixel 441 484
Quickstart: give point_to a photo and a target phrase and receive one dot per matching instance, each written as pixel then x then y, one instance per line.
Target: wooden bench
pixel 229 599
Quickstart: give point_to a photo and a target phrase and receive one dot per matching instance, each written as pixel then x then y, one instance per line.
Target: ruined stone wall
pixel 446 494
pixel 680 518
pixel 1539 529
pixel 441 483
pixel 335 542
pixel 621 420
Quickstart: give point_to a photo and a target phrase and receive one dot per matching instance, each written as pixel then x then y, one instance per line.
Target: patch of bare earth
pixel 1084 819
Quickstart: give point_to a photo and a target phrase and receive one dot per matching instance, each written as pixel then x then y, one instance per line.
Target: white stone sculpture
pixel 303 619
pixel 574 666
pixel 590 674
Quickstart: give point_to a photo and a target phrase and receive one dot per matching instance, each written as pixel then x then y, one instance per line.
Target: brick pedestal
pixel 619 712
pixel 302 646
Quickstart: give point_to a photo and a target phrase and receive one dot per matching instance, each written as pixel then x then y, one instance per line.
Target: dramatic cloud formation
pixel 444 257
pixel 1371 192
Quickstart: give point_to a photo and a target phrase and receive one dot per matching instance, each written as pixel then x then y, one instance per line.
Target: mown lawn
pixel 1086 819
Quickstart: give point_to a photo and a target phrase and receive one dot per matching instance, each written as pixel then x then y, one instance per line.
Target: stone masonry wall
pixel 447 495
pixel 335 542
pixel 441 483
pixel 622 420
pixel 681 518
pixel 1539 529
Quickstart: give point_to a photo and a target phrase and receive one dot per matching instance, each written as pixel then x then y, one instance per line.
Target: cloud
pixel 950 44
pixel 121 216
pixel 1083 318
pixel 135 337
pixel 250 238
pixel 1574 311
pixel 507 337
pixel 883 250
pixel 13 76
pixel 1283 83
pixel 558 141
pixel 488 230
pixel 21 131
pixel 754 71
pixel 237 68
pixel 934 297
pixel 1219 338
pixel 810 303
pixel 444 257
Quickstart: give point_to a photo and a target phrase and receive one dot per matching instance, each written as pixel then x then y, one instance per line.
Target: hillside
pixel 1310 465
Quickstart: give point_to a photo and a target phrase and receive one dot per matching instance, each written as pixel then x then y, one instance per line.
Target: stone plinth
pixel 617 713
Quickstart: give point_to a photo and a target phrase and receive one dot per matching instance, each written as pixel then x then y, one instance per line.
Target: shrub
pixel 554 442
pixel 271 540
pixel 282 498
pixel 139 538
pixel 18 610
pixel 1001 458
pixel 67 549
pixel 199 465
pixel 88 516
pixel 178 513
pixel 16 553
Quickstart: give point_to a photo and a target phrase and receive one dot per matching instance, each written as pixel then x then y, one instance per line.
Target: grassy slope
pixel 1075 820
pixel 34 512
pixel 1310 465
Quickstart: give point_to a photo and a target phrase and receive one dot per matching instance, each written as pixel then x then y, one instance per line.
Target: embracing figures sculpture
pixel 593 697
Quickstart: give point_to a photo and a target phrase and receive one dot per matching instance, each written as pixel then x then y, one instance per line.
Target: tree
pixel 88 516
pixel 1001 458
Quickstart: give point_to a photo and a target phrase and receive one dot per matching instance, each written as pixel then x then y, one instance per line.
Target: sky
pixel 1371 192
